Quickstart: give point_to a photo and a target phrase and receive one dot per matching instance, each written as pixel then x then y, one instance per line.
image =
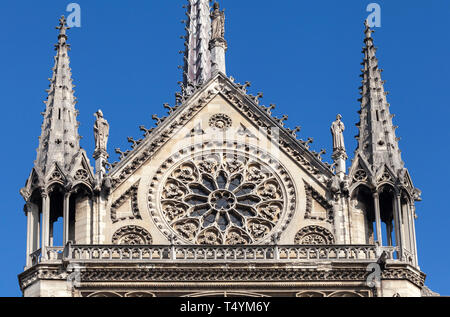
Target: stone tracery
pixel 220 121
pixel 314 235
pixel 223 197
pixel 132 235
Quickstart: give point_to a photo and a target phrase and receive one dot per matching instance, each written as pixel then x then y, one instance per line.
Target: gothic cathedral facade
pixel 219 198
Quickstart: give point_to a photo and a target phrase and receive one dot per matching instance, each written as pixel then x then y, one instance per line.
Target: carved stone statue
pixel 101 132
pixel 337 129
pixel 218 22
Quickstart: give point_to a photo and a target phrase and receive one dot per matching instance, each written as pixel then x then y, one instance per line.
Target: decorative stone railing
pixel 198 253
pixel 51 254
pixel 35 257
pixel 221 253
pixel 54 253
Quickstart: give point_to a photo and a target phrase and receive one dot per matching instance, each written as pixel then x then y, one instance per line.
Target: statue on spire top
pixel 101 132
pixel 337 129
pixel 218 22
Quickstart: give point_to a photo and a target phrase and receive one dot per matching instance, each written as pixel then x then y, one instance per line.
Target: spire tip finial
pixel 62 27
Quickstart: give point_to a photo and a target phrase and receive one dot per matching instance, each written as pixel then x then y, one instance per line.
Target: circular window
pixel 220 121
pixel 224 197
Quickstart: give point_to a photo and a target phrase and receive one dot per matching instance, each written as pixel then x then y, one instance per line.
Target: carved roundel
pixel 81 175
pixel 132 235
pixel 220 121
pixel 360 176
pixel 230 195
pixel 314 235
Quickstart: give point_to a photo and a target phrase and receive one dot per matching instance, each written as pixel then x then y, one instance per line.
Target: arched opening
pixel 363 215
pixel 76 207
pixel 34 221
pixel 387 209
pixel 56 225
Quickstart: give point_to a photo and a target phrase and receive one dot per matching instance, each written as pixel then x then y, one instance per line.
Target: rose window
pixel 222 198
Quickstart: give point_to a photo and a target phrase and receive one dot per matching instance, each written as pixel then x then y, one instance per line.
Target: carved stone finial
pixel 134 142
pixel 62 27
pixel 122 154
pixel 307 142
pixel 145 130
pixel 157 119
pixel 169 108
pixel 296 130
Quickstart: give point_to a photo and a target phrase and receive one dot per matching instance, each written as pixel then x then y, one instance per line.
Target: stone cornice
pixel 285 275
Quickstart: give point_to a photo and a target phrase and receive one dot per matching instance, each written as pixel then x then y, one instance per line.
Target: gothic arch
pixel 387 185
pixel 82 187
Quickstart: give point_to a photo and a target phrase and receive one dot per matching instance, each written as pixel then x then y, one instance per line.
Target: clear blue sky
pixel 304 55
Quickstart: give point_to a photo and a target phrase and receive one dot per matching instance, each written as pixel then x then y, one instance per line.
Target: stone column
pixel 218 47
pixel 66 218
pixel 377 217
pixel 45 224
pixel 28 212
pixel 50 240
pixel 411 213
pixel 101 157
pixel 389 233
pixel 339 157
pixel 398 225
pixel 32 211
pixel 35 227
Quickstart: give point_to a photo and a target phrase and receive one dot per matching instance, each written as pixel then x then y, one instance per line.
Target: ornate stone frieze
pixel 106 274
pixel 242 274
pixel 132 235
pixel 130 194
pixel 336 293
pixel 42 272
pixel 223 193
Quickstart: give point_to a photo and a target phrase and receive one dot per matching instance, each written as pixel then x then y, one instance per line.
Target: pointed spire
pixel 59 140
pixel 376 140
pixel 197 58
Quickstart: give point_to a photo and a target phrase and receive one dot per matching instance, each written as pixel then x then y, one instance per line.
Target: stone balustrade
pixel 199 253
